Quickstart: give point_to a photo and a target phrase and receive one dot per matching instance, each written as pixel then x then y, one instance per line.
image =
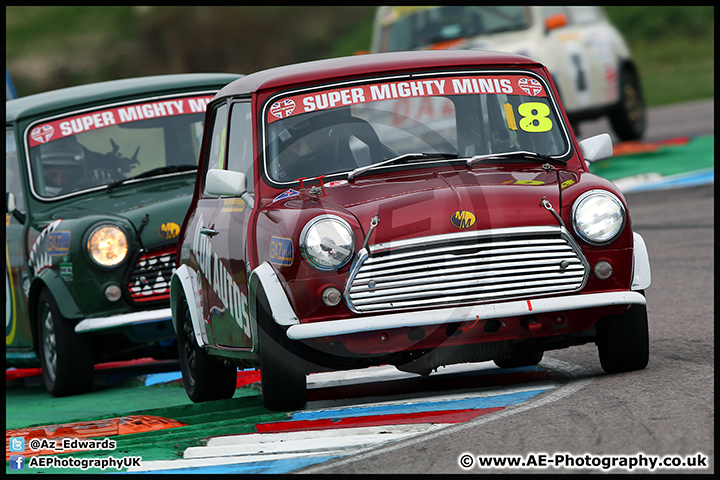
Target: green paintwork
pixel 78 287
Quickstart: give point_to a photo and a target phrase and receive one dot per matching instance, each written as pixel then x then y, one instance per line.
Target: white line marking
pixel 557 394
pixel 358 443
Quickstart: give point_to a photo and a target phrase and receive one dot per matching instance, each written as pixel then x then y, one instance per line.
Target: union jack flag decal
pixel 42 134
pixel 530 86
pixel 283 108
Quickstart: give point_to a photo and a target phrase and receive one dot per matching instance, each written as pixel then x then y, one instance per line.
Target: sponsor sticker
pixel 287 194
pixel 281 251
pixel 233 205
pixel 66 271
pixel 64 127
pixel 429 87
pixel 58 243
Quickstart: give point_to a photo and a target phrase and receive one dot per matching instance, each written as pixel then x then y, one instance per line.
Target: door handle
pixel 208 231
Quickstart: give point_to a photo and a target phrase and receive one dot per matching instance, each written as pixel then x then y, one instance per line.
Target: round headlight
pixel 107 245
pixel 598 217
pixel 327 242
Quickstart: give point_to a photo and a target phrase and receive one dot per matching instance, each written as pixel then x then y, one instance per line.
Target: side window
pixel 216 150
pixel 240 147
pixel 13 180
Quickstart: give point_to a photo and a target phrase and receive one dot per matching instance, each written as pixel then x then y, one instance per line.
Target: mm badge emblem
pixel 169 230
pixel 462 219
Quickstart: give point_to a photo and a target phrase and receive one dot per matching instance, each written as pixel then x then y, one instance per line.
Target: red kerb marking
pixel 447 416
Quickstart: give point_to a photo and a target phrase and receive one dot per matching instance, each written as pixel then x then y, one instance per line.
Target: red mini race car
pixel 417 209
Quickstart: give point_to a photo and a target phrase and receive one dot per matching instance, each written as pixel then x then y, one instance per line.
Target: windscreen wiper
pixel 400 158
pixel 520 155
pixel 152 173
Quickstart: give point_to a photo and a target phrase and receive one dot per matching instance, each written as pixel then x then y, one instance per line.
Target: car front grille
pixel 466 268
pixel 150 278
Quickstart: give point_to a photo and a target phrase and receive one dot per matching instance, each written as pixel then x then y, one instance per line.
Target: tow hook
pixel 548 206
pixel 373 223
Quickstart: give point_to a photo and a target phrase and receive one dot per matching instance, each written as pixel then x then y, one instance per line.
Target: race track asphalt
pixel 123 390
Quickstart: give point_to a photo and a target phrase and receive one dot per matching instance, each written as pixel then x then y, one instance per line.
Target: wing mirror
pixel 596 148
pixel 10 202
pixel 11 207
pixel 225 182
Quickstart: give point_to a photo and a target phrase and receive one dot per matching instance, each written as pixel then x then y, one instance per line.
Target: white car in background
pixel 587 57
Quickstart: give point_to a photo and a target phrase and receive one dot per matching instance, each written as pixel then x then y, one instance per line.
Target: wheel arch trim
pixel 280 308
pixel 51 281
pixel 185 280
pixel 641 264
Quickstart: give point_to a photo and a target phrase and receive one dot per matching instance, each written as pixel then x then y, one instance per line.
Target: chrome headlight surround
pixel 107 244
pixel 598 217
pixel 327 242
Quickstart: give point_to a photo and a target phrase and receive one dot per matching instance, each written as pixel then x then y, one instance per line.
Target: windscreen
pixel 337 130
pixel 89 149
pixel 408 28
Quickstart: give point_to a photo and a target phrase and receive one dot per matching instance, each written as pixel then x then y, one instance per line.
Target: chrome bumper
pixel 135 318
pixel 461 314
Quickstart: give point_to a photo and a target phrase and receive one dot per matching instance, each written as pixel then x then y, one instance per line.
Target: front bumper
pixel 125 320
pixel 449 315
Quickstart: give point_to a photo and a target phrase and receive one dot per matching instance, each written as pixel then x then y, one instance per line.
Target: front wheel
pixel 205 378
pixel 66 357
pixel 282 372
pixel 623 341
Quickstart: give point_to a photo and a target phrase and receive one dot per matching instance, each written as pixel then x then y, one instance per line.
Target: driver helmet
pixel 63 161
pixel 312 145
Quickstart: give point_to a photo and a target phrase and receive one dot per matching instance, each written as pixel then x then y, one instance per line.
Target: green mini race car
pixel 98 180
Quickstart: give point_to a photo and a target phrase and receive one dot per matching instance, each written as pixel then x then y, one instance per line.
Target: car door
pixel 224 222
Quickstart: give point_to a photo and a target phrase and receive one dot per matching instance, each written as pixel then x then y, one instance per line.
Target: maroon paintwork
pixel 410 203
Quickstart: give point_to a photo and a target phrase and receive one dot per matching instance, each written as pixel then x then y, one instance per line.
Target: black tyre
pixel 282 372
pixel 66 357
pixel 623 341
pixel 205 378
pixel 628 120
pixel 520 360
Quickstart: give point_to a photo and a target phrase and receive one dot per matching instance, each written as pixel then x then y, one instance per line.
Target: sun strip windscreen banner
pixel 47 132
pixel 426 87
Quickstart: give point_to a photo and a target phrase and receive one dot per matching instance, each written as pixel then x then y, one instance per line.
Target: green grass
pixel 676 70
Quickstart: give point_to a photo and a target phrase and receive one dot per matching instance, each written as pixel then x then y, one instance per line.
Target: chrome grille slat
pixel 454 277
pixel 461 299
pixel 370 272
pixel 469 287
pixel 424 255
pixel 468 267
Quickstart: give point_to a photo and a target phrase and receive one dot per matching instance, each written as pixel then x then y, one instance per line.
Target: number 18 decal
pixel 533 117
